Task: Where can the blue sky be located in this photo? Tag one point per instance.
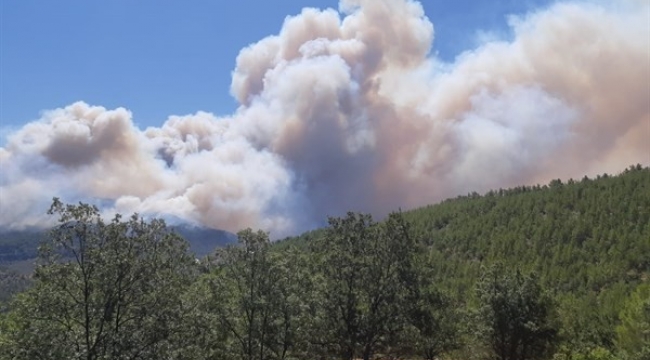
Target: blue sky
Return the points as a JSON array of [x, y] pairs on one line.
[[160, 58]]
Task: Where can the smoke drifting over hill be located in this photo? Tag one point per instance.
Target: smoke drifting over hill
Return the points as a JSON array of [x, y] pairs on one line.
[[348, 111]]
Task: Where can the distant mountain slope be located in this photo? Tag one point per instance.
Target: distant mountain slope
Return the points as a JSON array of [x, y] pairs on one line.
[[17, 245], [11, 282], [203, 241]]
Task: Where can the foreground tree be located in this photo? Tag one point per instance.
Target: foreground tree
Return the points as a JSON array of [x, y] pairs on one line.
[[433, 322], [366, 273], [252, 296], [517, 319], [102, 291]]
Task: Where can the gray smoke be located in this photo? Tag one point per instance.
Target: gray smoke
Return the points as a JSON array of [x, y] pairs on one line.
[[347, 111]]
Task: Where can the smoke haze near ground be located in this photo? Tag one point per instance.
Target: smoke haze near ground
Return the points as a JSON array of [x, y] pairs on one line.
[[347, 110]]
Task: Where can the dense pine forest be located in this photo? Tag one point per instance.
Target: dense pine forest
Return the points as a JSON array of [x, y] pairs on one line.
[[557, 271]]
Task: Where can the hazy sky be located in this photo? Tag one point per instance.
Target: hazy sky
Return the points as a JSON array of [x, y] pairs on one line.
[[161, 58], [273, 116]]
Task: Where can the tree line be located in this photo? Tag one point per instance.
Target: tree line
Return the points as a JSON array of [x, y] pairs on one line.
[[459, 280]]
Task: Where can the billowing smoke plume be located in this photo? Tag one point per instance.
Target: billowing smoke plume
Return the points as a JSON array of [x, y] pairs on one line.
[[347, 111]]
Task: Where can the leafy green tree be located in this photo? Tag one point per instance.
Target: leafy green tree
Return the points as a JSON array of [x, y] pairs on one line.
[[102, 291], [434, 325], [366, 273], [517, 317], [254, 298]]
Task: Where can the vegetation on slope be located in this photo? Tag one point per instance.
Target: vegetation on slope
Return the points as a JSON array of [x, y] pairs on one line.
[[545, 272]]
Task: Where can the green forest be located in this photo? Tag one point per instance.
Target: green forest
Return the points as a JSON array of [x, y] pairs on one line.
[[558, 271]]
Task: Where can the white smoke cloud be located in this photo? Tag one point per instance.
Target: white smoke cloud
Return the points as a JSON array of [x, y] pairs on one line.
[[346, 111]]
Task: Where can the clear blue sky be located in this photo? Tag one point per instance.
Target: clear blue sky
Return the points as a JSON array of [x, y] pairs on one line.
[[159, 58]]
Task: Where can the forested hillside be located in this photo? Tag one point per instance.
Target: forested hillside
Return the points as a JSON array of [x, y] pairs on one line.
[[587, 240], [559, 271]]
